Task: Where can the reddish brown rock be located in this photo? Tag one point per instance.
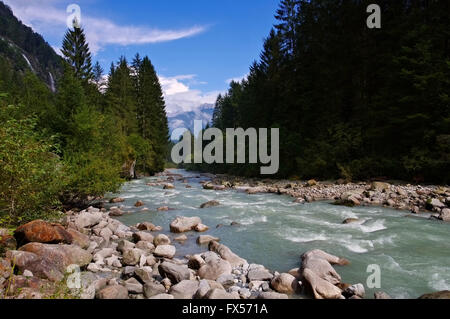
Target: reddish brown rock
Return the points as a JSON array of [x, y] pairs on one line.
[[40, 231], [139, 204]]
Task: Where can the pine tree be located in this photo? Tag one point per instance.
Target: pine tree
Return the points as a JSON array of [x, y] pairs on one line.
[[97, 73], [76, 52]]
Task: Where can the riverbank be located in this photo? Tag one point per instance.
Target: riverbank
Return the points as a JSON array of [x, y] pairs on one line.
[[109, 260], [119, 261], [417, 199]]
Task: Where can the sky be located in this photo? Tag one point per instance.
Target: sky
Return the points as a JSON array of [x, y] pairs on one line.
[[196, 46]]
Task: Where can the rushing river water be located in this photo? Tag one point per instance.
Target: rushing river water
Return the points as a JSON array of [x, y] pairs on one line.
[[412, 253]]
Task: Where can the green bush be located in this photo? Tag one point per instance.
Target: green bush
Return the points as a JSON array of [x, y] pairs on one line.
[[30, 173]]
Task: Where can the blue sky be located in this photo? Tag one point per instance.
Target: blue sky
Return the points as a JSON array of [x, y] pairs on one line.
[[197, 46]]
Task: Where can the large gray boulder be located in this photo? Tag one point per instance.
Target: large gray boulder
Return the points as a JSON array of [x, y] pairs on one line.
[[321, 288], [285, 283], [214, 268], [176, 273], [166, 251], [152, 289], [186, 289], [226, 253], [184, 224]]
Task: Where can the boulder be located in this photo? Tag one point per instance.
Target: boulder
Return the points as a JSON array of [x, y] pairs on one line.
[[42, 232], [139, 204], [88, 219], [445, 215], [201, 228], [131, 257], [355, 290], [79, 239], [226, 280], [113, 292], [161, 239], [437, 295], [195, 262], [45, 269], [124, 245], [168, 186], [152, 289], [145, 246], [146, 226], [214, 268], [321, 268], [61, 255], [226, 254], [186, 289], [166, 251], [145, 274], [334, 260], [176, 273], [209, 204], [259, 274], [321, 289], [142, 236], [181, 238], [350, 221], [163, 209], [133, 286], [284, 283], [203, 289], [206, 239], [184, 224]]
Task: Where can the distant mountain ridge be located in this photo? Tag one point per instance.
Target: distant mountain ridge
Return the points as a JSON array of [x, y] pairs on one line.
[[26, 49], [186, 119]]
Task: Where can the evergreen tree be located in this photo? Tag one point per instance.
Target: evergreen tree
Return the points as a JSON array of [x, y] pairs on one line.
[[76, 52]]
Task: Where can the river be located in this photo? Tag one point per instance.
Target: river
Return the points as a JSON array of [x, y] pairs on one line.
[[412, 253]]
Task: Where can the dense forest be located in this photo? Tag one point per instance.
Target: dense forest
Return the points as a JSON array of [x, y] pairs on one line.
[[67, 147], [350, 102]]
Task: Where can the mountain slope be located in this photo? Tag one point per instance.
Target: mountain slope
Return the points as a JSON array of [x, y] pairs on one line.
[[27, 50]]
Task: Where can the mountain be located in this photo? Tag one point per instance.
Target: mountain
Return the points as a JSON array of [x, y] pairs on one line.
[[186, 119], [26, 50]]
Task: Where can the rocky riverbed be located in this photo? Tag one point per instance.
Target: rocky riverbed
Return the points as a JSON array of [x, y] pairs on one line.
[[112, 261], [416, 199], [91, 254]]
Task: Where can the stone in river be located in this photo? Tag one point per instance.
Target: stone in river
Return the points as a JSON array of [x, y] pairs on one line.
[[212, 203], [167, 251], [206, 239], [184, 224]]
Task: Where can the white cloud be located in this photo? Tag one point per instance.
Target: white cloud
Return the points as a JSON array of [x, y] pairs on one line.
[[44, 16], [180, 98]]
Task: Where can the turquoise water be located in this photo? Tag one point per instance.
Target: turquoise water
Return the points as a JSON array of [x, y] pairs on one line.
[[413, 253]]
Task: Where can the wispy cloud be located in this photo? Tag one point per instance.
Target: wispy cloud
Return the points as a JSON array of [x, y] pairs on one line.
[[48, 16]]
